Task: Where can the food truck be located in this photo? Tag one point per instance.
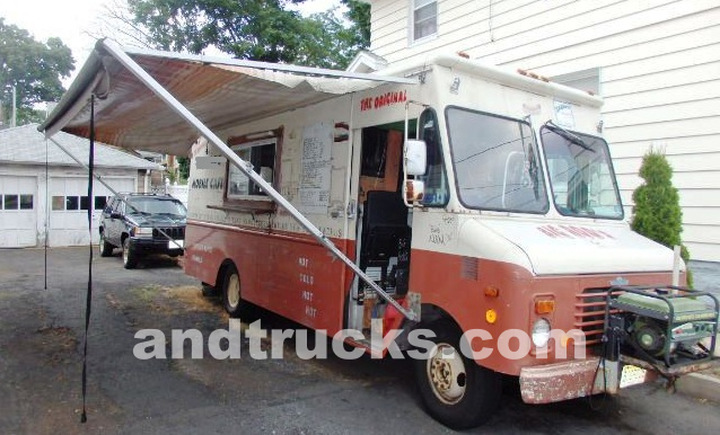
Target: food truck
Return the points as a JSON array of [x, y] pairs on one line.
[[452, 196]]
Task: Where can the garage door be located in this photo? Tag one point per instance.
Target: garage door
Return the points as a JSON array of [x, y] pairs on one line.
[[69, 204], [18, 219]]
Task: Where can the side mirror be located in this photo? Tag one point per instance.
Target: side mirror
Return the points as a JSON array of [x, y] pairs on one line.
[[415, 157], [414, 191]]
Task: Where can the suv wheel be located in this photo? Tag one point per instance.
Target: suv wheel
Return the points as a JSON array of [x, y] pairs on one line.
[[106, 248], [128, 254]]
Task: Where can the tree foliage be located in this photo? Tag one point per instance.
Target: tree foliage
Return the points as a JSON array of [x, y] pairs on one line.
[[264, 30], [657, 213], [34, 68]]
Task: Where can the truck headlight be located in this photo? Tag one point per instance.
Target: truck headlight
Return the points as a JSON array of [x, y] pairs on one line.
[[143, 231], [541, 332]]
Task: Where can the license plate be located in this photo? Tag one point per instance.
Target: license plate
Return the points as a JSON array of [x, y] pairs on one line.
[[174, 244], [632, 375]]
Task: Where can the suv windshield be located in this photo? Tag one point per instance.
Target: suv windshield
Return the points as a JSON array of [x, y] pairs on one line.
[[156, 205], [496, 162], [581, 174]]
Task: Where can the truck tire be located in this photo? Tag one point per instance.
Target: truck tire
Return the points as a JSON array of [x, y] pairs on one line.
[[209, 291], [455, 390], [106, 248], [128, 254], [232, 300]]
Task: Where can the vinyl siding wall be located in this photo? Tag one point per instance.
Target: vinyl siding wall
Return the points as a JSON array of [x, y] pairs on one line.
[[659, 73]]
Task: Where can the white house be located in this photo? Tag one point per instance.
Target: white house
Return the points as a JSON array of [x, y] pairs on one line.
[[655, 62], [25, 190]]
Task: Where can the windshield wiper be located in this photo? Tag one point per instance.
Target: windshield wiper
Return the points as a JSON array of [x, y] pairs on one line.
[[568, 136]]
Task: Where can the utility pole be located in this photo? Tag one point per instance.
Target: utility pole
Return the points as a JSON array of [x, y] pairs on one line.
[[13, 123]]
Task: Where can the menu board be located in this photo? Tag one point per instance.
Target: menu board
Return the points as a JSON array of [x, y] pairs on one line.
[[316, 167]]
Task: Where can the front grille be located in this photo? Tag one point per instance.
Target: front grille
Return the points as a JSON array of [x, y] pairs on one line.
[[590, 314], [177, 233]]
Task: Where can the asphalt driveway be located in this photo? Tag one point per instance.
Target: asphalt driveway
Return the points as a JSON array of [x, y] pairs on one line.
[[40, 366]]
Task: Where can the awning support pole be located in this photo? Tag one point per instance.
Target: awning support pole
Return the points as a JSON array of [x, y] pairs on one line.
[[247, 169]]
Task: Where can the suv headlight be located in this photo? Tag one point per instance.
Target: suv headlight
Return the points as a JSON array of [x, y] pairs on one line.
[[541, 332], [142, 231]]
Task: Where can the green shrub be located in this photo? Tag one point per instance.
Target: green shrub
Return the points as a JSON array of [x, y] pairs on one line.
[[657, 214]]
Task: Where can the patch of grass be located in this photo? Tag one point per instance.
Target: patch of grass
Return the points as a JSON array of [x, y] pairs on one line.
[[8, 295], [146, 293], [191, 298]]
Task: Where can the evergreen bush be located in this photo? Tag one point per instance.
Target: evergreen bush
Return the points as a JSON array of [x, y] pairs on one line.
[[656, 213]]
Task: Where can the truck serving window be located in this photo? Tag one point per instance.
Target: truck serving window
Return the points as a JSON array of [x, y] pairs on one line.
[[496, 162], [261, 153], [581, 174]]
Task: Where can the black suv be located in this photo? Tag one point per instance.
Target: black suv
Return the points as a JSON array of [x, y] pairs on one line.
[[141, 224]]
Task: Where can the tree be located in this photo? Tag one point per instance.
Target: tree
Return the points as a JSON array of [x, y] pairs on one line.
[[183, 169], [359, 16], [34, 68], [261, 30], [657, 213]]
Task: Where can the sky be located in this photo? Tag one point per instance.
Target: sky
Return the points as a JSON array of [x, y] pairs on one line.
[[74, 21]]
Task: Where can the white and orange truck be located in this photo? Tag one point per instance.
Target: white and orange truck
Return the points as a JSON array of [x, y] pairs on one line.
[[465, 199]]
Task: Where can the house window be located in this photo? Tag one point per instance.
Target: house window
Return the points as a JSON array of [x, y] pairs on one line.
[[100, 202], [261, 151], [424, 19], [26, 202], [72, 203], [58, 203], [10, 202], [84, 203]]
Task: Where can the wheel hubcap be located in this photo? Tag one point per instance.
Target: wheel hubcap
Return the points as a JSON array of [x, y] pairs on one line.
[[446, 372], [233, 290]]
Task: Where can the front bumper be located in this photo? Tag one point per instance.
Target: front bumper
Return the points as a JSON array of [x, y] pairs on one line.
[[572, 379], [147, 245], [580, 378]]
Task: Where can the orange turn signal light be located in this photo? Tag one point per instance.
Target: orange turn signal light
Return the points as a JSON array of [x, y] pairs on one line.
[[544, 306], [492, 292], [491, 316]]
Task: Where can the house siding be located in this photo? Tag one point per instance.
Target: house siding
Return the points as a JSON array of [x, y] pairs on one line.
[[659, 73]]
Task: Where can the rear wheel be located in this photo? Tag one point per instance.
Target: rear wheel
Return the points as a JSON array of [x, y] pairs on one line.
[[231, 291], [209, 291], [128, 254], [106, 248], [454, 389]]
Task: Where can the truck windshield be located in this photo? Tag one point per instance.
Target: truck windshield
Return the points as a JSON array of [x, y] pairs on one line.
[[581, 174], [496, 162]]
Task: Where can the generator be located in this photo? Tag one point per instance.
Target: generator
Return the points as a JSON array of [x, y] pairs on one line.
[[665, 326]]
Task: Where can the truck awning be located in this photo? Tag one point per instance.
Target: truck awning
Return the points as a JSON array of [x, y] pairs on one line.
[[220, 92]]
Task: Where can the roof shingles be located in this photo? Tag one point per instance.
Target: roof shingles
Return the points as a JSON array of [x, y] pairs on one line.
[[26, 145]]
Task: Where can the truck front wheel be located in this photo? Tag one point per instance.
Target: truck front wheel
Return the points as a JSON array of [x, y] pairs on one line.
[[454, 389]]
